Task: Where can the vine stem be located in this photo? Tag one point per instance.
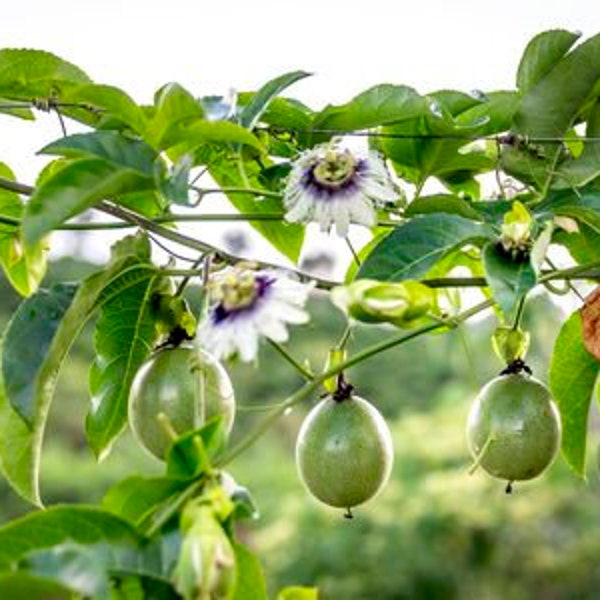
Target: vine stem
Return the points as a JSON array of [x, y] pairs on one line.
[[310, 387], [306, 373]]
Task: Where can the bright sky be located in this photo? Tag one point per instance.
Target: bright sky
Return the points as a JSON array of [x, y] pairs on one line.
[[212, 46]]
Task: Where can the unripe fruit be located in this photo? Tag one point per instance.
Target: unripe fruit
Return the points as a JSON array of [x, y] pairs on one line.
[[513, 430], [344, 451], [174, 382]]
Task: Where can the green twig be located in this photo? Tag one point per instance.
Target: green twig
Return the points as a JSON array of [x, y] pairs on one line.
[[308, 375]]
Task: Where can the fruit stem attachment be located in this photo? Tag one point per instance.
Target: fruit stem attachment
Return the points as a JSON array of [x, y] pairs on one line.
[[509, 487], [515, 367], [481, 454], [343, 390], [165, 424], [348, 514]]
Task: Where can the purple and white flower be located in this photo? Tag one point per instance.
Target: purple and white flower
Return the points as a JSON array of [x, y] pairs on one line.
[[247, 304], [331, 185]]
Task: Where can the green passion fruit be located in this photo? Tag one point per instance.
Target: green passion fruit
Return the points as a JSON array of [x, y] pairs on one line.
[[513, 429], [344, 451], [188, 386]]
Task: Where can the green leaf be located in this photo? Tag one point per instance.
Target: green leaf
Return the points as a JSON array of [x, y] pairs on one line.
[[411, 249], [541, 54], [23, 266], [509, 279], [24, 585], [250, 581], [287, 238], [298, 593], [27, 74], [442, 203], [20, 445], [111, 146], [27, 342], [135, 498], [584, 246], [550, 107], [252, 112], [185, 139], [583, 205], [379, 105], [112, 101], [192, 453], [573, 373], [125, 335], [495, 115], [73, 189], [456, 102], [586, 167], [174, 106]]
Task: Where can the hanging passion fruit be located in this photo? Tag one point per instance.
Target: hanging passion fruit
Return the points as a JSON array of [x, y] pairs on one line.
[[344, 451], [513, 429], [186, 385]]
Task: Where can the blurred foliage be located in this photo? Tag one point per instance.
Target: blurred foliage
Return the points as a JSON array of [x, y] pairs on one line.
[[434, 533]]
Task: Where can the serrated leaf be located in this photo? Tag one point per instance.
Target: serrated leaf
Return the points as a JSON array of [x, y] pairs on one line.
[[250, 581], [125, 335], [509, 280], [541, 54], [260, 101], [27, 74], [573, 373], [379, 105], [111, 146], [287, 238], [73, 189], [23, 266], [411, 249], [111, 101]]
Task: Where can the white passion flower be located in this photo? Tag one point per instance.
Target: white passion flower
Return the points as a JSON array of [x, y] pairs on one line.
[[329, 185], [246, 304]]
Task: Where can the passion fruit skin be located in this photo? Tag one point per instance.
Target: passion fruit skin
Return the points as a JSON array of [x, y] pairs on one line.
[[344, 451], [516, 417], [173, 381]]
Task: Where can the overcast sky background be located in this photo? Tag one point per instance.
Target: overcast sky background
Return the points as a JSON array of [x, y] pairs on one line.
[[210, 47]]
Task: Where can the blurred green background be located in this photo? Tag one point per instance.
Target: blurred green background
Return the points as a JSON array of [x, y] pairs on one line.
[[434, 532]]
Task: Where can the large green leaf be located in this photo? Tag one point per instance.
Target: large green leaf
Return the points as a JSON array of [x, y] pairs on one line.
[[541, 54], [495, 115], [287, 238], [379, 105], [260, 101], [583, 245], [24, 585], [550, 107], [509, 280], [111, 146], [111, 102], [411, 249], [20, 443], [125, 335], [573, 373], [250, 581], [443, 203], [23, 266], [28, 74], [583, 205], [73, 189]]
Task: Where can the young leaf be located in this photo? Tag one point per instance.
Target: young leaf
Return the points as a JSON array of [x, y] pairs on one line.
[[414, 247], [73, 189], [509, 279], [379, 105], [541, 54], [573, 373], [260, 102], [125, 335], [250, 582], [26, 74], [23, 266]]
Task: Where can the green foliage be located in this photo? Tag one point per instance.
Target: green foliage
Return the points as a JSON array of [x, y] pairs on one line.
[[573, 374]]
